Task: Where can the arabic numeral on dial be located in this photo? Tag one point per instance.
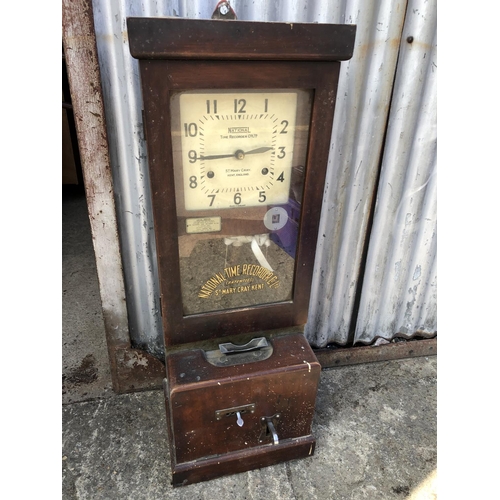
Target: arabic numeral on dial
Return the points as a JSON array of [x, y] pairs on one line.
[[193, 182], [262, 196], [212, 106], [266, 102], [237, 198], [212, 196], [285, 125], [281, 178], [192, 156], [190, 129], [239, 105], [282, 153]]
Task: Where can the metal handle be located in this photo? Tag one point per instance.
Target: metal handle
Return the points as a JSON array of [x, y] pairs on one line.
[[273, 431], [269, 427]]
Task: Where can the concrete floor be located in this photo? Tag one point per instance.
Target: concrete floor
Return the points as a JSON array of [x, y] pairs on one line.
[[85, 362], [375, 424]]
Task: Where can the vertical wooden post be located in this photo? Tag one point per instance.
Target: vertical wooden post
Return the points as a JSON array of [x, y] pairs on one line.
[[130, 369]]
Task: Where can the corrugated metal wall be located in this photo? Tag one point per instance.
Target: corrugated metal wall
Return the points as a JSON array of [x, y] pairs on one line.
[[399, 292], [385, 115], [387, 73]]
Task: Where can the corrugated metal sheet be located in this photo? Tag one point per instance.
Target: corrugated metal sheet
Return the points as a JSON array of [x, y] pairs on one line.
[[399, 292], [123, 105], [363, 103]]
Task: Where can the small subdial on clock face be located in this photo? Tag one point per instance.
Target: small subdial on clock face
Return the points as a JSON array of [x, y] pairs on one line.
[[236, 147]]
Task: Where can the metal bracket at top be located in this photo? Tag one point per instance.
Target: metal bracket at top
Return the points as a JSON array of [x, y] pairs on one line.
[[224, 11]]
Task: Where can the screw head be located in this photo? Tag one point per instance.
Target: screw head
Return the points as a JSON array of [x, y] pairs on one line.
[[409, 39]]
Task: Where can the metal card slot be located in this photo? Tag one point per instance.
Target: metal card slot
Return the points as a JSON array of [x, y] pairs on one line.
[[230, 348], [230, 412]]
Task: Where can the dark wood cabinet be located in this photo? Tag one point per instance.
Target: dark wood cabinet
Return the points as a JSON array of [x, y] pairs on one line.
[[238, 119]]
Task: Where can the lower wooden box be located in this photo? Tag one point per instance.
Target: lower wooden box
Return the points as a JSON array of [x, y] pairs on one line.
[[231, 413]]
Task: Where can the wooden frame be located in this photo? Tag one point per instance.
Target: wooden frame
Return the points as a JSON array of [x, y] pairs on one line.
[[321, 77], [174, 38], [192, 54]]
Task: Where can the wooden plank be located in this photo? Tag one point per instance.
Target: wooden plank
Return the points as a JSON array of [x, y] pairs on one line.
[[343, 356], [242, 460], [174, 38]]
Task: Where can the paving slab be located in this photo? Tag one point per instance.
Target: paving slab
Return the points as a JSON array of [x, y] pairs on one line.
[[375, 426], [85, 363]]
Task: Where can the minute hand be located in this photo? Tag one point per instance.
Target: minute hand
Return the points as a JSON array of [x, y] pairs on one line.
[[258, 150]]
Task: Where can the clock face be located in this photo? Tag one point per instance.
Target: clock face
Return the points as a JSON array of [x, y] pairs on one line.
[[237, 148], [238, 158]]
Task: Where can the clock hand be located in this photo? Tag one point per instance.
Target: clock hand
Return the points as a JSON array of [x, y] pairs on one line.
[[216, 157], [258, 150], [238, 154]]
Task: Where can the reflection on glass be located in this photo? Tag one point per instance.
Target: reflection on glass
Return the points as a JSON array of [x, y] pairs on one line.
[[239, 159]]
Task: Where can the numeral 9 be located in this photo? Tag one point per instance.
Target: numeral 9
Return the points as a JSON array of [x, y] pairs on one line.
[[192, 156]]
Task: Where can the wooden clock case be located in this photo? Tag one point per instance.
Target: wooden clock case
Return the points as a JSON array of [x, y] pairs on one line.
[[271, 389]]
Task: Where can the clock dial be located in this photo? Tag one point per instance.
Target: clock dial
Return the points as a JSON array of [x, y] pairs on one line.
[[237, 148]]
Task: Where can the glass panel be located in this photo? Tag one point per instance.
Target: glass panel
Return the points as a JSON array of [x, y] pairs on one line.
[[239, 159]]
